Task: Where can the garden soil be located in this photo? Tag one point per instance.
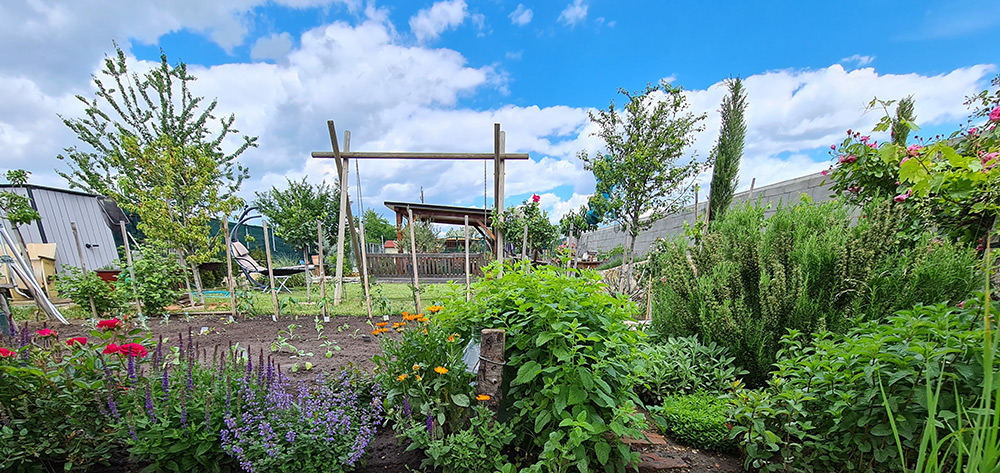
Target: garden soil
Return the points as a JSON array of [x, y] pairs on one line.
[[357, 346]]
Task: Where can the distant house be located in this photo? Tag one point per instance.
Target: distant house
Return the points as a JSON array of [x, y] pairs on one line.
[[391, 246], [60, 207]]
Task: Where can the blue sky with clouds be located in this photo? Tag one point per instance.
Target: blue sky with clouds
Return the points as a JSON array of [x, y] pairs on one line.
[[434, 76]]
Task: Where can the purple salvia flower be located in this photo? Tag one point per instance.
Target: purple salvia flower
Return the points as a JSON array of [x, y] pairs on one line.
[[131, 369], [190, 378], [430, 424], [150, 410], [290, 436], [112, 406], [180, 343], [131, 427], [165, 383], [184, 410], [406, 405], [158, 354], [208, 413]]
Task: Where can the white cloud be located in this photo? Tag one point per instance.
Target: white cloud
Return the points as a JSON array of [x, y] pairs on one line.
[[275, 46], [521, 15], [514, 55], [858, 59], [429, 23], [574, 13], [395, 95]]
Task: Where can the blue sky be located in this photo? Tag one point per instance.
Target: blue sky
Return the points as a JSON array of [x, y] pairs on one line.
[[424, 75]]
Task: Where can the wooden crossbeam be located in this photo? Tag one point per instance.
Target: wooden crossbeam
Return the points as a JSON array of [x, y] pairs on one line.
[[440, 156]]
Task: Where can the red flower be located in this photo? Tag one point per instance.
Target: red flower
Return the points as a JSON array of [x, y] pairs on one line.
[[5, 352], [46, 332], [111, 348], [535, 197], [75, 340], [133, 349], [109, 324]]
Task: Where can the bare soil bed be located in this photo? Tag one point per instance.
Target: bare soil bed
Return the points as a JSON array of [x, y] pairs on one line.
[[357, 348]]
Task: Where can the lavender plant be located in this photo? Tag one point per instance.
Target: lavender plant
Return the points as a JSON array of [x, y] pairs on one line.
[[324, 426]]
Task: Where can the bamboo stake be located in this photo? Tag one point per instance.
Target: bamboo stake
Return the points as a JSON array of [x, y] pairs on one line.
[[497, 191], [131, 270], [524, 243], [468, 267], [322, 273], [649, 300], [270, 274], [364, 272], [752, 182], [83, 264], [229, 270], [413, 251], [305, 263]]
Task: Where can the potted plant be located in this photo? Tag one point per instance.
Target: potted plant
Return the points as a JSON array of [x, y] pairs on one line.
[[109, 273]]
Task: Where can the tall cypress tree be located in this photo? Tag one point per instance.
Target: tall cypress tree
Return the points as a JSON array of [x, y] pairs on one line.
[[729, 149], [903, 120]]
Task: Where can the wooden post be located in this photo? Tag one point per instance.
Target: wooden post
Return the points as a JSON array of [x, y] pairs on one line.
[[131, 270], [338, 290], [468, 267], [750, 195], [696, 204], [524, 243], [491, 363], [649, 300], [230, 281], [364, 274], [270, 273], [497, 189], [83, 263], [413, 251], [322, 273], [305, 264]]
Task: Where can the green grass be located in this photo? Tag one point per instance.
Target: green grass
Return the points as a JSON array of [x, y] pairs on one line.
[[399, 297]]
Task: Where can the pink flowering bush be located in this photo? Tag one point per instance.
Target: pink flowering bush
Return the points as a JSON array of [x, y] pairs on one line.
[[948, 182]]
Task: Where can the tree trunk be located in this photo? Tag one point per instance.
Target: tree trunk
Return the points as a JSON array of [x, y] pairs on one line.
[[187, 281], [197, 283], [305, 261]]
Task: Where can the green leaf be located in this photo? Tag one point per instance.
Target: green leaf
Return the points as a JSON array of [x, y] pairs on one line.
[[603, 451], [527, 372], [460, 400]]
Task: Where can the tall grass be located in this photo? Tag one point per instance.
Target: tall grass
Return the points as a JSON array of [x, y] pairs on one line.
[[973, 445]]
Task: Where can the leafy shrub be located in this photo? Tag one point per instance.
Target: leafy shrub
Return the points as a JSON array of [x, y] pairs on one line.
[[175, 413], [55, 401], [805, 268], [81, 286], [823, 408], [570, 359], [158, 280], [476, 449], [699, 420], [321, 427], [425, 379], [682, 365]]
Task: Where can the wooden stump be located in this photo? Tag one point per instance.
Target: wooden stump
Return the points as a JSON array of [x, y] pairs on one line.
[[491, 363]]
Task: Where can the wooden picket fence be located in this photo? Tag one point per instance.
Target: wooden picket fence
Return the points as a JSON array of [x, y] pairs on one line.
[[431, 267]]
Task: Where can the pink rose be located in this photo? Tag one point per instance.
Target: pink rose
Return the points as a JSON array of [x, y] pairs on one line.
[[824, 172], [864, 139], [902, 197], [973, 130], [833, 146], [995, 115], [914, 150], [535, 197], [848, 159]]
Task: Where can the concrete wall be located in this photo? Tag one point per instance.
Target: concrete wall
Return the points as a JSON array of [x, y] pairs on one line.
[[789, 191]]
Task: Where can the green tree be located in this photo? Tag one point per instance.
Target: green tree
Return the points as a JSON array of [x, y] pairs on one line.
[[541, 232], [155, 150], [294, 212], [643, 173], [424, 234], [728, 150], [377, 228], [574, 223], [17, 208]]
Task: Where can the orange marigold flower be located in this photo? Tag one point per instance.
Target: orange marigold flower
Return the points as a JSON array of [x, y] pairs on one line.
[[452, 337], [405, 314], [441, 370], [419, 378], [483, 397], [381, 324], [422, 319], [375, 332], [416, 367], [434, 309], [401, 377]]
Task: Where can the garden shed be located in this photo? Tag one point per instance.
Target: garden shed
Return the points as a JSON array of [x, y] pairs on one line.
[[59, 207]]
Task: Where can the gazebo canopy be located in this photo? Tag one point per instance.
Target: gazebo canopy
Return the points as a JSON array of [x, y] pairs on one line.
[[479, 219]]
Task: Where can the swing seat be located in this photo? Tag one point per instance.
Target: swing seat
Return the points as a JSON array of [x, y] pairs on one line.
[[251, 267]]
